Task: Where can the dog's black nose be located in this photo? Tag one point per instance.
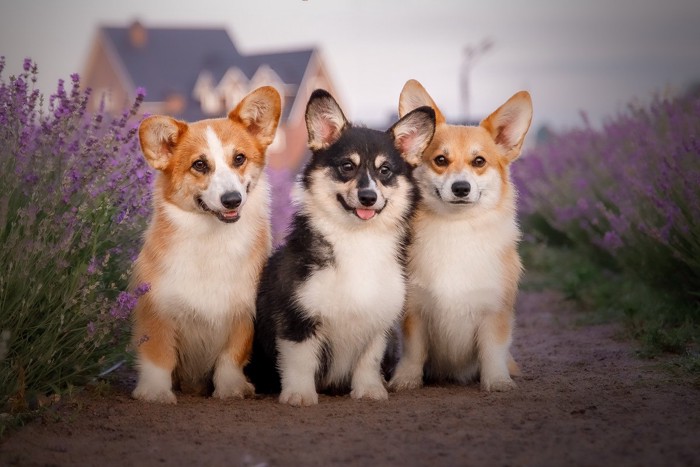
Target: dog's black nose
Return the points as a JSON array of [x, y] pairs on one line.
[[461, 188], [231, 199], [367, 196]]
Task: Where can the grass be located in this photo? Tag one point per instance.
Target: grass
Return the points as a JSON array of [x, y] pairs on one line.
[[661, 322]]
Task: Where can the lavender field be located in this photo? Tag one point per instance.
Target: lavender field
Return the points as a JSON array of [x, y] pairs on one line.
[[610, 216], [614, 215]]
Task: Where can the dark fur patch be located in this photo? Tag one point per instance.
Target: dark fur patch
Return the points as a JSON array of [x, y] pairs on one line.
[[368, 144], [279, 315]]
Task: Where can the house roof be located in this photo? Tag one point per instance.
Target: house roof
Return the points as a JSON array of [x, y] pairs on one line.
[[171, 59]]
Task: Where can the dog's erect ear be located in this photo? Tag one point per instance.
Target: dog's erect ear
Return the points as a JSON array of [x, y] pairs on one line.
[[508, 125], [414, 95], [413, 133], [325, 122], [259, 112], [158, 136]]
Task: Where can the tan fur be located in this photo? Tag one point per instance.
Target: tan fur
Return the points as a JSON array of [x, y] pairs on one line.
[[154, 335], [430, 327], [197, 319]]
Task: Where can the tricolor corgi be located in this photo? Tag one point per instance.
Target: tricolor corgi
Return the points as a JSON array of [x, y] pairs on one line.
[[329, 298], [204, 249], [463, 263]]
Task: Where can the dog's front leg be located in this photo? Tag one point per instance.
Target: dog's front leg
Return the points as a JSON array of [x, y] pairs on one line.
[[409, 372], [367, 381], [494, 338], [298, 363], [229, 380], [154, 338]]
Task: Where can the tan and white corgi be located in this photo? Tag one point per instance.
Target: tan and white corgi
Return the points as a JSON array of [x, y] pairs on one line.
[[204, 249], [463, 262]]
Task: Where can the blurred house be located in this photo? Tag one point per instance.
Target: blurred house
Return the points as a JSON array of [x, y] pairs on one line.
[[196, 73]]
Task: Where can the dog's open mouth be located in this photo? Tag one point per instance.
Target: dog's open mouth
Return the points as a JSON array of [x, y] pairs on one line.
[[224, 216], [363, 213]]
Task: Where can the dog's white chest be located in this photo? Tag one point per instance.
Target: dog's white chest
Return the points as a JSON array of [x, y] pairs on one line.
[[459, 266], [357, 297], [208, 274], [363, 287]]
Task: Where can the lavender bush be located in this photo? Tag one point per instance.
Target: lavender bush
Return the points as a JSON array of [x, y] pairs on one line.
[[73, 204], [626, 196]]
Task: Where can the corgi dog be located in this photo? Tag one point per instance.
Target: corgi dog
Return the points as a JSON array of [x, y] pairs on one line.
[[330, 296], [204, 250], [463, 264]]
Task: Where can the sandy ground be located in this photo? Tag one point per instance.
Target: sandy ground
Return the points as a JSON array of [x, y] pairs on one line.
[[584, 399]]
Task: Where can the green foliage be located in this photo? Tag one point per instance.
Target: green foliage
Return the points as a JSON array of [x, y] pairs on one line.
[[661, 321], [73, 202]]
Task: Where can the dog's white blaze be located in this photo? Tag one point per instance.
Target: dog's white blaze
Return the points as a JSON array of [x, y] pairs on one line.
[[223, 179], [357, 299], [379, 203]]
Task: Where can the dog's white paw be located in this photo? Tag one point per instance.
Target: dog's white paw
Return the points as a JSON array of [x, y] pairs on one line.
[[161, 396], [154, 384], [298, 398], [230, 382], [498, 385], [406, 377], [240, 390], [404, 381], [375, 392]]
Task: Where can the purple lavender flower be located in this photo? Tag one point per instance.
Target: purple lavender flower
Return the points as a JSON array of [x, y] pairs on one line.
[[630, 190]]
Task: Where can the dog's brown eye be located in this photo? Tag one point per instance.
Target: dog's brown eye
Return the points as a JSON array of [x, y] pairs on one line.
[[201, 166], [479, 162], [385, 171], [238, 160], [441, 161], [347, 167]]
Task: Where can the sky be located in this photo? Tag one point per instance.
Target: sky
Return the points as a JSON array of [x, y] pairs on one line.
[[592, 56]]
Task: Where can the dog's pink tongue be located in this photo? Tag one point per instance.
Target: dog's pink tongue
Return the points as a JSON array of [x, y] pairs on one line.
[[230, 214], [365, 214]]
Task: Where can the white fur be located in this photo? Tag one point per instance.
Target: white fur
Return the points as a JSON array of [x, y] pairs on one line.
[[455, 279], [229, 380], [456, 284], [223, 179], [207, 280], [206, 273], [154, 383], [356, 300], [298, 362]]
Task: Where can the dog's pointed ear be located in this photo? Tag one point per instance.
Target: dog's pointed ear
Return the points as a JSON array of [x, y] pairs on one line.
[[414, 95], [413, 133], [325, 121], [509, 123], [259, 112], [158, 136]]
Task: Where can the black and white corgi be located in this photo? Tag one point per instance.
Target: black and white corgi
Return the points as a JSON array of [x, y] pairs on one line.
[[330, 296]]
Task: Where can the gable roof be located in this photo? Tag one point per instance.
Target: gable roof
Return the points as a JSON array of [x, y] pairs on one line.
[[171, 59]]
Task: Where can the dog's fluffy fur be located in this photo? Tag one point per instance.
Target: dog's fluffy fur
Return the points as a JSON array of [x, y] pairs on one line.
[[464, 266], [330, 296], [204, 249]]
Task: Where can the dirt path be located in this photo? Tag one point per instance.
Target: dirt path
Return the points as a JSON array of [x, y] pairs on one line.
[[584, 400]]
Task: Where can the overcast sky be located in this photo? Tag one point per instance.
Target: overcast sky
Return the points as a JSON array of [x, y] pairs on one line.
[[593, 55]]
